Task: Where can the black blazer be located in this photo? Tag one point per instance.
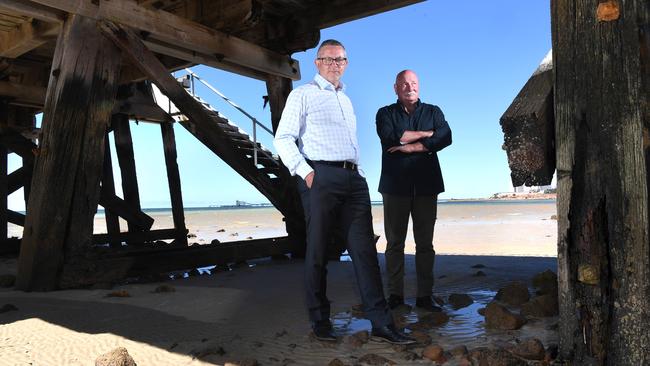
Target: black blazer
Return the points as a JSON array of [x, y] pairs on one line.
[[416, 174]]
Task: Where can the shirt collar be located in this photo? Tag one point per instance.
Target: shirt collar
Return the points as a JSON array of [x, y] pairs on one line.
[[324, 84], [401, 106]]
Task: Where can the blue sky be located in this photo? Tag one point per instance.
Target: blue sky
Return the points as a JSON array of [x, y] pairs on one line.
[[472, 58]]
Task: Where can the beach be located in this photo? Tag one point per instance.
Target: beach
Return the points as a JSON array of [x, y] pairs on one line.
[[256, 311]]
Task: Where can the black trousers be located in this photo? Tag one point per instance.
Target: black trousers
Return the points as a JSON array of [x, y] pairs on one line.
[[397, 210], [341, 194]]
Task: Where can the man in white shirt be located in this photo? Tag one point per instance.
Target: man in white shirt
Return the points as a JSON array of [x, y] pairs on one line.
[[320, 117]]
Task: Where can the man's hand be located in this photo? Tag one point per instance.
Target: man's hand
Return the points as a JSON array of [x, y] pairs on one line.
[[309, 179], [408, 148], [412, 136]]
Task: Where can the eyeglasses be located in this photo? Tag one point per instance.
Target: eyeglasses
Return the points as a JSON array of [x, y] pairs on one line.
[[328, 60]]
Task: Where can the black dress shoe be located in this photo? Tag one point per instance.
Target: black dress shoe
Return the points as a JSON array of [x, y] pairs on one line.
[[394, 301], [323, 331], [425, 303], [390, 334]]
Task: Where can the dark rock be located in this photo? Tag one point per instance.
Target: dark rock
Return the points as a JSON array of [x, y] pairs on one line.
[[116, 357], [498, 317], [118, 293], [358, 339], [249, 237], [281, 333], [495, 357], [545, 283], [479, 274], [372, 359], [409, 356], [215, 241], [459, 351], [541, 306], [207, 351], [478, 266], [433, 352], [164, 289], [553, 217], [221, 230], [7, 280], [234, 234], [421, 337], [7, 307], [459, 301], [481, 311], [191, 235], [430, 320], [530, 349], [336, 362], [515, 294], [551, 352], [442, 276]]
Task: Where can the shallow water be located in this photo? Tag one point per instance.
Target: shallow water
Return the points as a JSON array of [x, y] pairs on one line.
[[465, 326]]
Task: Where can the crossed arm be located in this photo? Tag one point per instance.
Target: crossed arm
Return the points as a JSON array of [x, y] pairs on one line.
[[410, 142]]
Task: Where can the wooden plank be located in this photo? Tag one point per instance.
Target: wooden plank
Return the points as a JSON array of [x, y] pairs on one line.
[[173, 179], [137, 219], [108, 189], [15, 218], [27, 93], [140, 237], [4, 192], [180, 32], [343, 11], [126, 159], [205, 255], [17, 179], [529, 130], [27, 37], [40, 12], [59, 222], [601, 53]]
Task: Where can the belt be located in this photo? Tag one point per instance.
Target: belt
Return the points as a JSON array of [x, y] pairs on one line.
[[341, 164]]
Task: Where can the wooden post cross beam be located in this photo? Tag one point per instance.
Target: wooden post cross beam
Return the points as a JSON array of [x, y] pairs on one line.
[[171, 33]]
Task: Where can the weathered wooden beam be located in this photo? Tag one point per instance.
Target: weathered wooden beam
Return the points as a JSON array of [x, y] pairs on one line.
[[28, 36], [16, 218], [126, 160], [278, 90], [36, 11], [601, 53], [337, 12], [27, 93], [108, 189], [136, 219], [141, 237], [195, 256], [529, 130], [59, 221], [180, 32], [17, 179], [173, 179]]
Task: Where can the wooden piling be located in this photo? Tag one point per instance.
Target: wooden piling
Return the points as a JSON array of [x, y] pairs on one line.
[[68, 168]]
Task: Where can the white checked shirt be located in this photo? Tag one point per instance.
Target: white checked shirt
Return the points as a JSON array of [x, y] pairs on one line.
[[321, 118]]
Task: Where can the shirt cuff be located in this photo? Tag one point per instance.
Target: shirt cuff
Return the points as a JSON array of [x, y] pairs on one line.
[[304, 169]]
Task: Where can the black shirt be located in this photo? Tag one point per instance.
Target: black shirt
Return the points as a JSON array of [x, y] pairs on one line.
[[415, 174]]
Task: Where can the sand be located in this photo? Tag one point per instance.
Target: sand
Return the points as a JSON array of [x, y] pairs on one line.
[[257, 311]]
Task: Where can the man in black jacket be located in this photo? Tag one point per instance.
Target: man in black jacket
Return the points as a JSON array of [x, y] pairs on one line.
[[411, 133]]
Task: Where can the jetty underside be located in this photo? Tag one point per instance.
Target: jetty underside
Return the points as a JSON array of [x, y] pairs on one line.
[[88, 66]]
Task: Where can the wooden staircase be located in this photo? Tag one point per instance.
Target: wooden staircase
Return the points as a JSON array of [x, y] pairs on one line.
[[257, 164]]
